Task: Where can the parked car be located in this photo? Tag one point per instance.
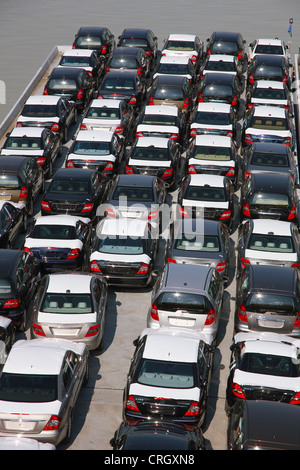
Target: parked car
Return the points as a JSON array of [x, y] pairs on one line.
[[171, 90], [266, 241], [97, 38], [59, 242], [184, 45], [207, 196], [13, 221], [222, 63], [124, 251], [263, 425], [50, 374], [269, 195], [177, 65], [156, 156], [97, 149], [268, 46], [209, 154], [268, 93], [264, 367], [143, 38], [71, 306], [129, 58], [265, 157], [206, 243], [123, 85], [53, 112], [267, 299], [74, 191], [219, 87], [41, 144], [87, 59], [24, 443], [19, 280], [155, 435], [21, 180], [187, 296], [75, 84], [227, 42], [269, 67], [169, 377], [213, 118]]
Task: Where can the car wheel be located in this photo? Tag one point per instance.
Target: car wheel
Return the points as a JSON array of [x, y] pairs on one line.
[[24, 223]]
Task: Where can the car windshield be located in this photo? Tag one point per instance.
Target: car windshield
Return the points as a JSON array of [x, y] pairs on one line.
[[120, 245], [25, 388], [218, 90], [39, 110], [218, 119], [62, 84], [204, 152], [159, 120], [118, 84], [5, 286], [151, 154], [269, 364], [65, 303], [180, 46], [269, 94], [88, 41], [92, 148], [202, 243], [124, 62], [268, 71], [23, 143], [133, 194], [220, 66], [269, 49], [9, 181], [262, 303], [270, 159], [271, 199], [173, 69], [166, 374], [205, 193], [70, 61], [54, 232], [167, 93], [269, 123], [70, 186], [272, 243], [189, 302], [224, 47]]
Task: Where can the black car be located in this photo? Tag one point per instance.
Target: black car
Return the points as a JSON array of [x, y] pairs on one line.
[[173, 90], [268, 67], [221, 88], [53, 112], [265, 157], [21, 180], [74, 191], [268, 92], [129, 58], [97, 38], [19, 280], [13, 220], [41, 144], [155, 156], [269, 195], [123, 85], [226, 42], [7, 337], [87, 59], [155, 435], [75, 84], [140, 37]]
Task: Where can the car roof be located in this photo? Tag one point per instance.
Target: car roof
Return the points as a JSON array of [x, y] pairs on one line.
[[12, 163], [26, 132], [58, 219], [59, 72], [268, 343], [90, 29], [218, 77], [98, 136], [135, 32], [126, 51], [197, 226], [270, 147], [74, 173], [213, 140], [270, 277], [269, 111], [107, 103], [125, 227], [135, 180], [269, 59], [161, 109], [78, 53], [159, 142], [120, 72], [203, 179], [271, 182], [43, 99], [72, 282], [185, 277], [214, 107], [221, 58], [275, 42], [181, 37], [225, 35], [170, 80], [269, 226]]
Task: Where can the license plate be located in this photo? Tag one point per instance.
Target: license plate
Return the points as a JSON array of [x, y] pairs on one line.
[[5, 196], [65, 331], [175, 321], [268, 323], [19, 425]]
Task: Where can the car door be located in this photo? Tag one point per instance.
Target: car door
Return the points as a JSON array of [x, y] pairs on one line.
[[10, 221], [216, 290], [204, 370], [72, 381], [34, 177], [100, 297], [51, 144]]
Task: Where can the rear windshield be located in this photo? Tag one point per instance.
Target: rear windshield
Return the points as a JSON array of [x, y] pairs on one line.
[[103, 113], [166, 374], [159, 120], [9, 181], [118, 84], [272, 199], [92, 148], [120, 245], [5, 286], [67, 303], [173, 69], [209, 118], [58, 232], [224, 47], [204, 152], [134, 42], [88, 41], [70, 61], [268, 49], [269, 94], [28, 388], [124, 62], [173, 301], [217, 90], [62, 84], [268, 71], [269, 123], [151, 154], [72, 187], [203, 243], [39, 110], [220, 66], [164, 93], [269, 364], [180, 46], [272, 243], [204, 193], [262, 303], [133, 194], [269, 159], [23, 143]]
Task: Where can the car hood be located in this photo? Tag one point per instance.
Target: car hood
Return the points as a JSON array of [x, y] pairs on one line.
[[261, 380], [176, 394]]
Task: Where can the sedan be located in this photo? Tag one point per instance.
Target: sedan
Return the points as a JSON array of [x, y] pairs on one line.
[[129, 58], [41, 144], [268, 93], [13, 220], [123, 85], [53, 112], [268, 46], [213, 118], [188, 45], [71, 306], [143, 38], [74, 191], [86, 59], [221, 88], [177, 65], [97, 38], [169, 377], [21, 181], [59, 242], [269, 67], [39, 387], [19, 279], [171, 90], [75, 84], [221, 63], [227, 42]]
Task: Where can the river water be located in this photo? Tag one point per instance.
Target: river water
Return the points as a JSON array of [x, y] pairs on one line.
[[29, 29]]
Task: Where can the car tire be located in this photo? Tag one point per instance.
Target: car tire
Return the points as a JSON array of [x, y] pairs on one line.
[[24, 223]]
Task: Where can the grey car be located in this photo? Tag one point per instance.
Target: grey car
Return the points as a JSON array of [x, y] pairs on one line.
[[267, 300], [187, 296]]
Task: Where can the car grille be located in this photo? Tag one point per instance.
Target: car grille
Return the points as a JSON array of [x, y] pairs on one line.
[[270, 394]]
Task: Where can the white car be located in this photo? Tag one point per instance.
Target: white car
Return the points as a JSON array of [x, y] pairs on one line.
[[265, 46], [264, 367], [184, 45], [71, 306], [124, 251], [39, 386], [23, 443], [159, 121], [96, 149], [59, 242], [177, 65], [213, 118], [268, 93], [221, 63]]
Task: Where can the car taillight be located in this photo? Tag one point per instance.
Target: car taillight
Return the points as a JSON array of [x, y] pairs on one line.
[[104, 49], [41, 161], [83, 127], [295, 265], [247, 174], [221, 266], [296, 399], [245, 262], [24, 192], [140, 71], [19, 124], [109, 166], [250, 106], [297, 321], [38, 330], [229, 134], [129, 170], [139, 134], [174, 136], [132, 100], [240, 55], [193, 133], [246, 209], [200, 98], [100, 96], [171, 260], [225, 215], [55, 127], [191, 170], [237, 390], [167, 173], [110, 212], [45, 91], [131, 404], [285, 79], [70, 164], [93, 330], [154, 312], [27, 250], [119, 130], [143, 269], [194, 409], [194, 58], [235, 100], [45, 206], [251, 78], [107, 69], [208, 52], [210, 317], [88, 207], [182, 211], [148, 52], [230, 172], [12, 303], [53, 423], [186, 103], [287, 141], [80, 94], [248, 139], [74, 253], [150, 100], [153, 214], [94, 267], [242, 314], [292, 213]]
